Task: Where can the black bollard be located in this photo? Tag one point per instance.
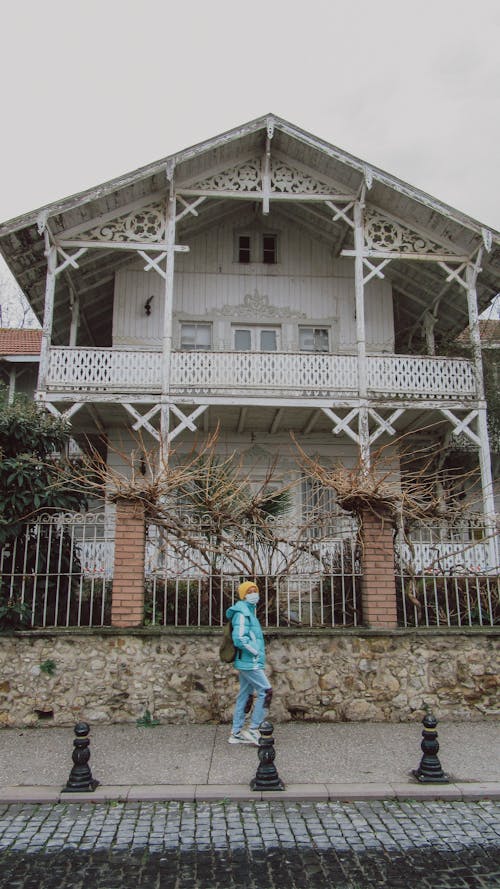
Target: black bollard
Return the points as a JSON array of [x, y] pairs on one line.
[[429, 770], [80, 778], [267, 777]]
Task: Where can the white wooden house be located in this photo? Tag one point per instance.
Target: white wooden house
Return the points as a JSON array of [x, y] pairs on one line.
[[266, 282]]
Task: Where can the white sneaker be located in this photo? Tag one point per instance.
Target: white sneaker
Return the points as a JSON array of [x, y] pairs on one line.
[[244, 736], [253, 734]]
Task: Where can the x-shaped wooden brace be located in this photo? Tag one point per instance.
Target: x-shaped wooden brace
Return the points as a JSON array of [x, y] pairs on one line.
[[186, 422], [153, 262], [142, 420], [384, 425], [341, 213], [455, 274], [375, 269], [343, 425], [189, 208], [69, 260], [63, 415], [463, 425]]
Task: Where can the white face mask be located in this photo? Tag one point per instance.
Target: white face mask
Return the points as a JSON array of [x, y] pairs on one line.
[[252, 598]]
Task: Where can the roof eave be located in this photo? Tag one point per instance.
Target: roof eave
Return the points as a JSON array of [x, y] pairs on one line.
[[253, 126]]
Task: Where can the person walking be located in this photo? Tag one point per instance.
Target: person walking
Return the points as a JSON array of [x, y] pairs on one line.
[[250, 662]]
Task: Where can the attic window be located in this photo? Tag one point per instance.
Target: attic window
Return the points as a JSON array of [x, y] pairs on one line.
[[257, 247], [269, 243], [244, 248]]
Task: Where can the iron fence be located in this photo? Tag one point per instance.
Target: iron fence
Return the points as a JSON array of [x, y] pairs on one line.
[[308, 581], [448, 575], [58, 571]]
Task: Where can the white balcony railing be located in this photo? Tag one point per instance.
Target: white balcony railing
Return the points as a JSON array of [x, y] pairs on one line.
[[255, 373]]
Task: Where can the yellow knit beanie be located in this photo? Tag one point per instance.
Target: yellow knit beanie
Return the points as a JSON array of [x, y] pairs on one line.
[[245, 588]]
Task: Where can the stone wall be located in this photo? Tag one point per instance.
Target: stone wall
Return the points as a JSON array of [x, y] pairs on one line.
[[108, 676]]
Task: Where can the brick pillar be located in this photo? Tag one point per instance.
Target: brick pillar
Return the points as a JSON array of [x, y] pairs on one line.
[[127, 605], [379, 580]]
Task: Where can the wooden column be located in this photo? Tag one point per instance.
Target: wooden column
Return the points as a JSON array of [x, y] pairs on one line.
[[167, 318], [379, 576], [482, 420], [359, 245], [48, 315], [127, 605]]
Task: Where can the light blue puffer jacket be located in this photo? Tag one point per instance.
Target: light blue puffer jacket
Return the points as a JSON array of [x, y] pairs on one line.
[[247, 636]]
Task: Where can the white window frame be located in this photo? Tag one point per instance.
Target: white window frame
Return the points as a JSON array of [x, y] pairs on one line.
[[316, 329], [255, 331], [197, 326], [255, 248]]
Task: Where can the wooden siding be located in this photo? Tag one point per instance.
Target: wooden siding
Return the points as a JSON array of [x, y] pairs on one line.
[[307, 285]]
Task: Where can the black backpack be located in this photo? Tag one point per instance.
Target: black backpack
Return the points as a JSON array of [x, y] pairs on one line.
[[227, 650]]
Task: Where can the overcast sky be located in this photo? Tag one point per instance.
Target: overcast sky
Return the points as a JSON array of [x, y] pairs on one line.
[[96, 88]]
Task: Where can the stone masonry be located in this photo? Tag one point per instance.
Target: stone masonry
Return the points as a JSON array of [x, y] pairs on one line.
[[112, 676]]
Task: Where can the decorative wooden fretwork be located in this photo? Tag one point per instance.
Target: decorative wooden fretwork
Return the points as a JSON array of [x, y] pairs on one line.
[[278, 373], [289, 180], [247, 177], [383, 233], [257, 305], [243, 177], [146, 225]]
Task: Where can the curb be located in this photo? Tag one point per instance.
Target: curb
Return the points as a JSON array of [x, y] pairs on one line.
[[472, 791]]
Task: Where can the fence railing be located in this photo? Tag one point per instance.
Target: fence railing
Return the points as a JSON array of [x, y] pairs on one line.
[[58, 572], [275, 373], [307, 582], [449, 576]]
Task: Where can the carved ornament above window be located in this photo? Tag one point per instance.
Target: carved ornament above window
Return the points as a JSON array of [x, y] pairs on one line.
[[257, 305]]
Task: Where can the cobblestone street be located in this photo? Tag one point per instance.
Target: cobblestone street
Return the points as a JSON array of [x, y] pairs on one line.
[[174, 845]]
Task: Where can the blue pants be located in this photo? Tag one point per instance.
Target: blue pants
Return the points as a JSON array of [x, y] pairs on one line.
[[251, 681]]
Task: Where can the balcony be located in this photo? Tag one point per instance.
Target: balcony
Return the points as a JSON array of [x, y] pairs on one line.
[[270, 375]]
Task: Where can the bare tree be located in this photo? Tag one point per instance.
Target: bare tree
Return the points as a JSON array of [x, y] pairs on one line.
[[15, 310]]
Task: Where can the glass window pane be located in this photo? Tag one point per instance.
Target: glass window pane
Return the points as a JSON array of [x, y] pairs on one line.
[[269, 248], [268, 341], [188, 333], [313, 339], [196, 336], [306, 339], [244, 248], [204, 336], [321, 340], [242, 340]]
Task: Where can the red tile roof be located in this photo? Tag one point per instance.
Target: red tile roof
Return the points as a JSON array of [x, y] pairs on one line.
[[490, 331], [19, 342]]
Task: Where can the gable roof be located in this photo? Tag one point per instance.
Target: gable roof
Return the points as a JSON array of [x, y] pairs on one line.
[[416, 286]]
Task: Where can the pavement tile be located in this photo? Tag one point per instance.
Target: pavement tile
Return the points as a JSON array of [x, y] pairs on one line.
[[38, 794], [102, 793], [297, 792], [155, 792], [224, 791], [479, 790], [360, 791], [415, 790], [99, 795]]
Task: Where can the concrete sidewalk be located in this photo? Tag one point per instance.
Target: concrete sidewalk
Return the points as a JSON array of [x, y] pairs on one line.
[[336, 761]]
